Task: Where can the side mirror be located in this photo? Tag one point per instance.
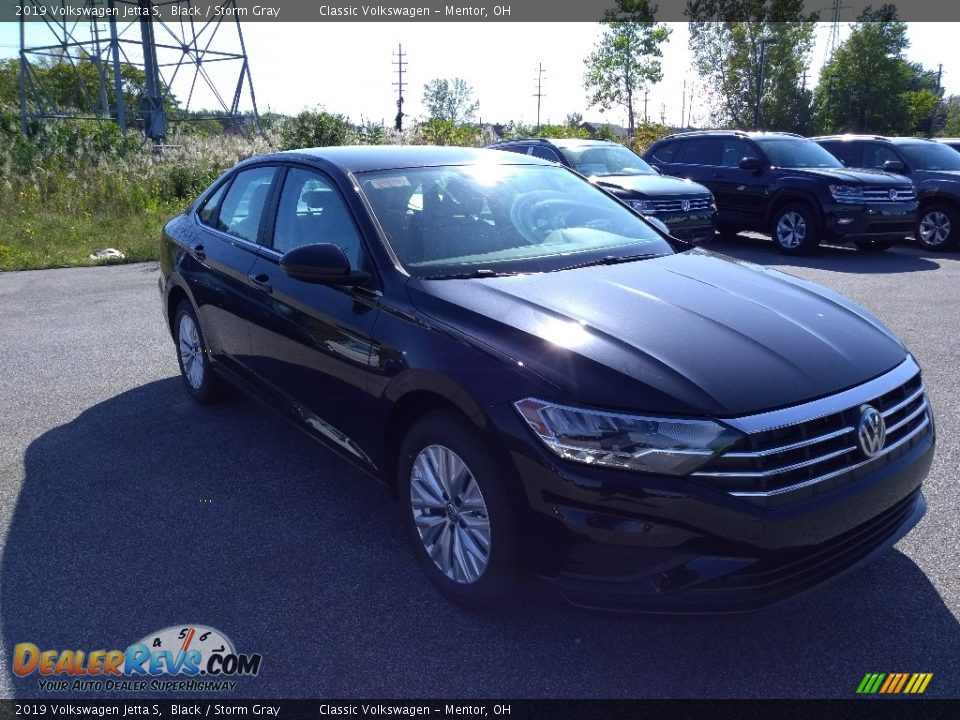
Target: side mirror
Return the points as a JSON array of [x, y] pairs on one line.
[[322, 263], [894, 166], [751, 163]]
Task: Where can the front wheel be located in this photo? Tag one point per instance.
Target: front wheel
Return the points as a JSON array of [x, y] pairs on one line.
[[794, 230], [938, 227], [873, 245], [457, 512]]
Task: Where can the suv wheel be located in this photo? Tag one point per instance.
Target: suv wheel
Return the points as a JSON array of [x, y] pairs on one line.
[[794, 230], [938, 227], [457, 512]]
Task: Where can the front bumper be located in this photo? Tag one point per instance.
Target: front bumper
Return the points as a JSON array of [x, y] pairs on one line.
[[871, 221], [689, 226], [638, 543]]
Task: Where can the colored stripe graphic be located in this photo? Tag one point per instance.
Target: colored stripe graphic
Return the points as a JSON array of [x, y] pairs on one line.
[[894, 683]]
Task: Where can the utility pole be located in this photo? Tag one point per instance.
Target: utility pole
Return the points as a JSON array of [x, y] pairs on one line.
[[399, 85], [539, 94], [646, 94], [804, 78], [683, 107]]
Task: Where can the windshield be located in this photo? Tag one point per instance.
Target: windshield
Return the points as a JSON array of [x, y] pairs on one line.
[[487, 218], [601, 160], [796, 153], [931, 156]]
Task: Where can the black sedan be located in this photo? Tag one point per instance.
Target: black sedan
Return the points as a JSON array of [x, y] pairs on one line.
[[546, 382]]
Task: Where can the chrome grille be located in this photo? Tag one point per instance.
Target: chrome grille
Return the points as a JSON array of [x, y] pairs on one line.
[[882, 194], [817, 449], [698, 204]]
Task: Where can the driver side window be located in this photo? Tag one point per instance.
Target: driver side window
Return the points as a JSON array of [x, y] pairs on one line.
[[312, 210]]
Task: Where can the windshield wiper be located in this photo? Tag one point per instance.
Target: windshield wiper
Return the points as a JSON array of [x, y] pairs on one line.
[[609, 260], [478, 273]]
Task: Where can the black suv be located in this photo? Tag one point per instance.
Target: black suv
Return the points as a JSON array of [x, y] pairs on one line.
[[933, 167], [686, 208], [790, 187]]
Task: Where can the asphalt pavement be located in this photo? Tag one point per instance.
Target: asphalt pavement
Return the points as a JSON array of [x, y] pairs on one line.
[[126, 508]]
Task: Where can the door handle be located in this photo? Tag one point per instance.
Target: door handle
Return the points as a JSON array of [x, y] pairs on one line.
[[262, 281], [717, 176], [197, 251]]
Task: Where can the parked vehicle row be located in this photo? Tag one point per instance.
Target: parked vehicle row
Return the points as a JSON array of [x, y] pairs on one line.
[[547, 382], [868, 190]]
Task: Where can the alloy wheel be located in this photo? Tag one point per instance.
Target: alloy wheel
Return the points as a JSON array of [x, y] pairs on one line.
[[934, 228], [191, 352], [450, 514], [791, 230]]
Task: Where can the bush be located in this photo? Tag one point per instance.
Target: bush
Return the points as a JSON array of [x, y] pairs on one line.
[[314, 128]]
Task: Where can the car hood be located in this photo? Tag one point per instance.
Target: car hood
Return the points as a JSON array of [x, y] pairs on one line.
[[653, 185], [853, 176], [686, 334]]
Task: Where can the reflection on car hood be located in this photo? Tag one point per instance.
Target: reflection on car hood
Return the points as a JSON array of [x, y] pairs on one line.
[[854, 176], [686, 334], [652, 185]]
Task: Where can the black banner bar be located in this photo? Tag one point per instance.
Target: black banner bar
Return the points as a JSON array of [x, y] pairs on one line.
[[868, 709], [437, 10]]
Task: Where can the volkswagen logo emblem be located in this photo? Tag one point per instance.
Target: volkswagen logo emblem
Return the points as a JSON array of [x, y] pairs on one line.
[[871, 431], [685, 204], [893, 194]]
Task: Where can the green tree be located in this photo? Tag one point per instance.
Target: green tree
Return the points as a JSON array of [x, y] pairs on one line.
[[868, 86], [626, 58], [450, 100], [951, 121], [725, 40]]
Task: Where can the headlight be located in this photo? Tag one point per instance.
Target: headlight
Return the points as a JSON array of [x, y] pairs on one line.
[[657, 445], [644, 206], [847, 193]]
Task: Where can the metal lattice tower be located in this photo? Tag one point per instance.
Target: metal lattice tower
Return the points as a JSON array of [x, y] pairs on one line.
[[194, 67]]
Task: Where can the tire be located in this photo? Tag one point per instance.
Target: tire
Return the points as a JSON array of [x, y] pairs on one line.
[[874, 245], [794, 230], [463, 536], [193, 357], [938, 227]]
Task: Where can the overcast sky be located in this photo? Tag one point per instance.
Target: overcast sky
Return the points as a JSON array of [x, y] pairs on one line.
[[346, 67]]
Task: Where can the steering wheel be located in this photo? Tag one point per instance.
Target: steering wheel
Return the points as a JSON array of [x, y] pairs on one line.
[[536, 215]]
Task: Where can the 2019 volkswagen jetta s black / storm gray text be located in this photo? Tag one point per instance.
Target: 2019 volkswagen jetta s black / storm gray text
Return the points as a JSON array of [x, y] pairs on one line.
[[548, 383]]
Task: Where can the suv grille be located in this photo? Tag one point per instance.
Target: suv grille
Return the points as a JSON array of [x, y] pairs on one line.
[[784, 463], [698, 204], [882, 194]]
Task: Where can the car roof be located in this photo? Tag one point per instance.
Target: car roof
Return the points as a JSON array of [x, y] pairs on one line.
[[751, 134], [362, 158], [894, 140]]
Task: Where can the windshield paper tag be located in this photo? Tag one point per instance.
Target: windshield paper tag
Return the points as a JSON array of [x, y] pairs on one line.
[[390, 182]]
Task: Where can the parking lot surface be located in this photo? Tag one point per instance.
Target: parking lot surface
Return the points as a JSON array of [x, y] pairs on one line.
[[125, 508]]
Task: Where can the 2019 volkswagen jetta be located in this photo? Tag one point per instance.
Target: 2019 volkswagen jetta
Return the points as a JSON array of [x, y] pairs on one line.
[[547, 382]]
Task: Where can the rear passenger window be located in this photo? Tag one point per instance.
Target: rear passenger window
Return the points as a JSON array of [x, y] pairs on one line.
[[703, 151], [244, 205], [311, 211], [665, 153]]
